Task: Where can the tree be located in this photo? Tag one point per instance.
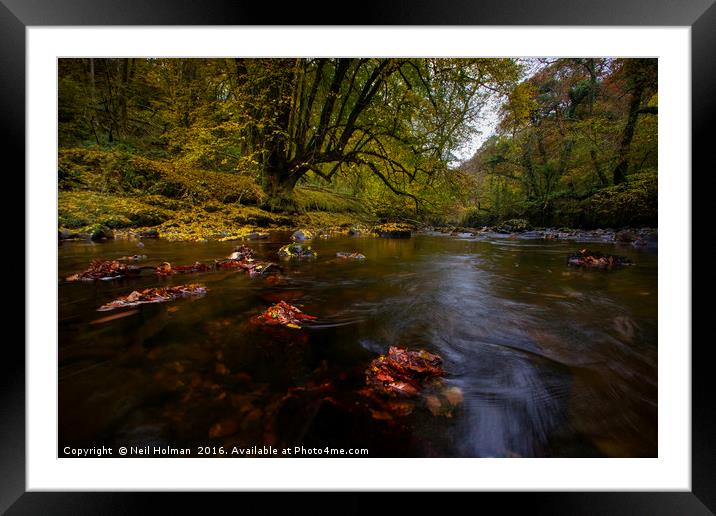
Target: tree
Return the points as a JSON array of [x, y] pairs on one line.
[[640, 76], [397, 119], [570, 129]]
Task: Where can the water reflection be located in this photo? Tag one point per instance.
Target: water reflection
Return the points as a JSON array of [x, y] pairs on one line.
[[552, 361]]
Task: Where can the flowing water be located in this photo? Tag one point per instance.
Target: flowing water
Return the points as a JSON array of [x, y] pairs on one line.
[[550, 360]]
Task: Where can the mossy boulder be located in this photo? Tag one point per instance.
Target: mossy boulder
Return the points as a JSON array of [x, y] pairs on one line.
[[393, 230], [98, 232], [297, 251]]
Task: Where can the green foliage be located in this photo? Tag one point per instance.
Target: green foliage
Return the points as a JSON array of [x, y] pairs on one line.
[[633, 203], [475, 218], [213, 148], [320, 199], [566, 134], [80, 209], [516, 225], [113, 171]]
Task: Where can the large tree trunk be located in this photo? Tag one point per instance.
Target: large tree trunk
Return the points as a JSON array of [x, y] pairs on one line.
[[620, 171], [641, 73], [279, 185]]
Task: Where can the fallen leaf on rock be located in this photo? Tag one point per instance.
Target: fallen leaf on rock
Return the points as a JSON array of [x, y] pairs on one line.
[[595, 259], [402, 372], [155, 295], [166, 268], [105, 270], [283, 314]]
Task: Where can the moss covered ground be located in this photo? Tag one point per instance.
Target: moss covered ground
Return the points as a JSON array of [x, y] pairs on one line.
[[116, 193]]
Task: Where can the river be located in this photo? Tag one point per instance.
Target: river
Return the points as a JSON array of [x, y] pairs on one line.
[[551, 361]]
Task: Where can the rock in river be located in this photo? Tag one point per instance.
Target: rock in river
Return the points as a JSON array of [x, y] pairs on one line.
[[297, 251], [301, 235]]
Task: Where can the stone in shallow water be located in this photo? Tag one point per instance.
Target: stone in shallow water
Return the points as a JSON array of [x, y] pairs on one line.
[[297, 251], [301, 235]]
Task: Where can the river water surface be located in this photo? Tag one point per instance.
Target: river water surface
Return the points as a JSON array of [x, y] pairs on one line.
[[552, 361]]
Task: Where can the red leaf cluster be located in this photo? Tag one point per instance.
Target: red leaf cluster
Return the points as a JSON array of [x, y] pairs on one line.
[[402, 372], [283, 314], [154, 295], [104, 270]]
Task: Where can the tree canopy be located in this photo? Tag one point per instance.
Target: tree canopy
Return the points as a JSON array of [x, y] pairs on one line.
[[399, 120], [386, 131]]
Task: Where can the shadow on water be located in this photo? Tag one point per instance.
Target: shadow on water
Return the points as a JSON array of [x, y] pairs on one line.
[[550, 360]]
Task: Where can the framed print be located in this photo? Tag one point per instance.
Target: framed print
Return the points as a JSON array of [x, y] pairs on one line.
[[428, 238]]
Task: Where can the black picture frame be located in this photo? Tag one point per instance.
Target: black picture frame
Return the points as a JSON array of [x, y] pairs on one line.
[[17, 15]]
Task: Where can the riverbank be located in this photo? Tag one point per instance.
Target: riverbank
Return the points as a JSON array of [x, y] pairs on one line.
[[153, 217], [110, 193]]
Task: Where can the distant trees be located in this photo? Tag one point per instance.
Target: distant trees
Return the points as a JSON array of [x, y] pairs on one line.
[[566, 132]]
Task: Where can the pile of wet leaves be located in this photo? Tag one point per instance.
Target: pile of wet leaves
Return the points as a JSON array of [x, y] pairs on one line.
[[154, 295], [105, 270], [402, 372], [283, 314], [597, 260], [403, 379]]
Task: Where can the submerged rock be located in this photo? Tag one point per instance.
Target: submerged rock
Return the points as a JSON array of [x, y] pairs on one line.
[[350, 256], [595, 259], [625, 235], [297, 251], [256, 236]]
